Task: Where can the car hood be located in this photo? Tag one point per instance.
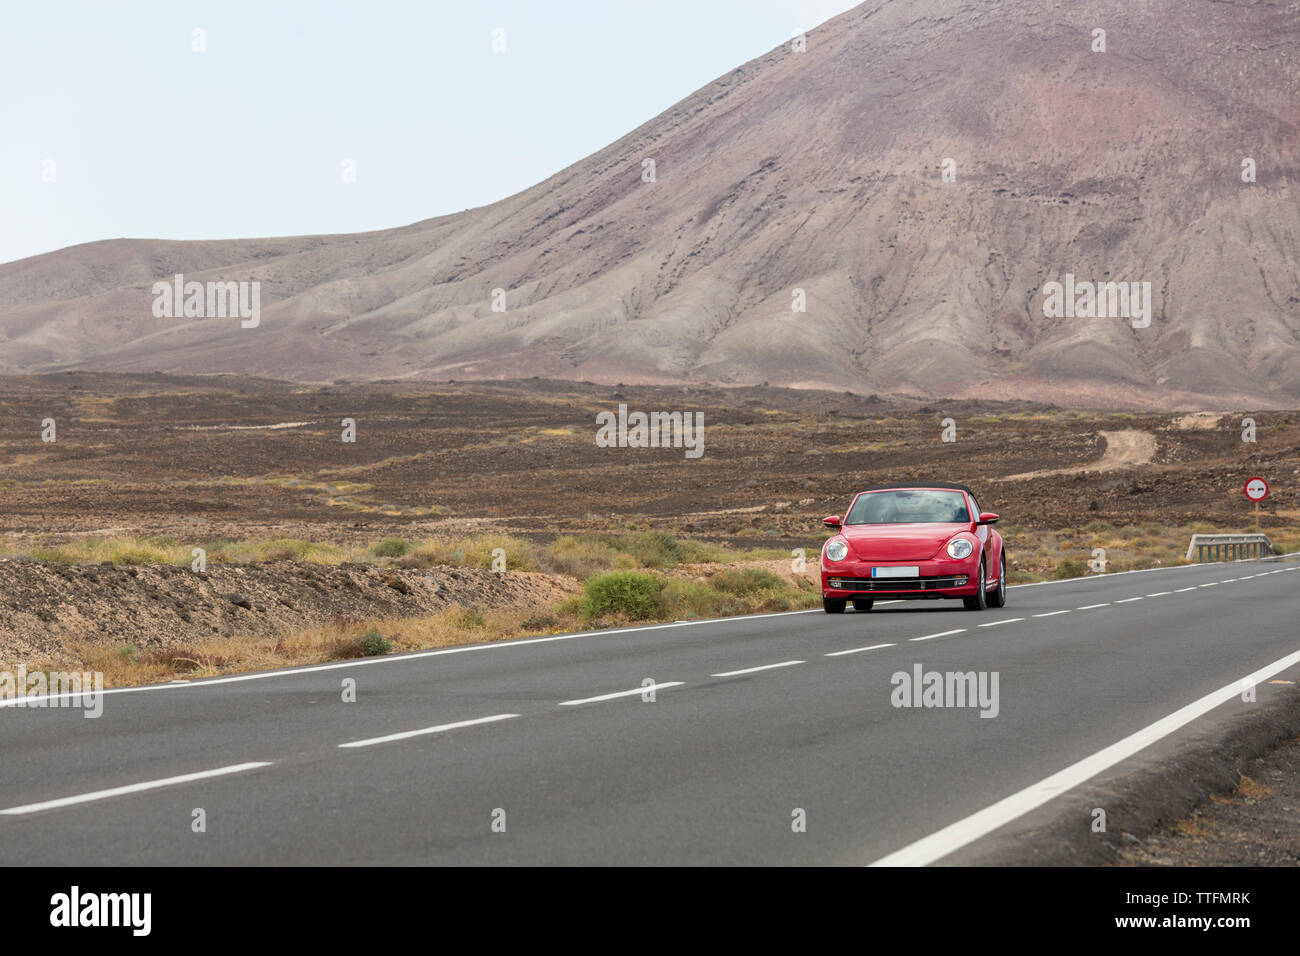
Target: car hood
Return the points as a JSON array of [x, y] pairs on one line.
[[899, 542]]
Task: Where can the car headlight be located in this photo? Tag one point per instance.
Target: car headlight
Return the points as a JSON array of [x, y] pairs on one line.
[[836, 549], [960, 548]]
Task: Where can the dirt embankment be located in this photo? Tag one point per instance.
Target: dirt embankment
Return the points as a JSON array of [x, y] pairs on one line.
[[46, 607], [1253, 824]]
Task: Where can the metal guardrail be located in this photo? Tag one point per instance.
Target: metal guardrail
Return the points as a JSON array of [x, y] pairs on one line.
[[1229, 547]]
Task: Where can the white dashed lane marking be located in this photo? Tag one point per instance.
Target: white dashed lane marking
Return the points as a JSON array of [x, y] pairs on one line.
[[131, 788], [858, 650], [755, 670], [622, 693], [407, 734], [930, 637]]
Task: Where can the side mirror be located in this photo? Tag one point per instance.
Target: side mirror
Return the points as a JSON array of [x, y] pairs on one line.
[[832, 522], [987, 517]]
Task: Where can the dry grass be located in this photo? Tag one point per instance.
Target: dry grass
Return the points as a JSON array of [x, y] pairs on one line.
[[341, 639], [115, 550], [1254, 790], [166, 550], [1193, 827], [578, 556]]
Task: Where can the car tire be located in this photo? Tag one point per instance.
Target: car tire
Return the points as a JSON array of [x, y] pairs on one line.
[[981, 599], [863, 604], [833, 605], [999, 596]]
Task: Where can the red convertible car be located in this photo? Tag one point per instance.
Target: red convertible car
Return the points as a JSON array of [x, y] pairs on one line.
[[913, 541]]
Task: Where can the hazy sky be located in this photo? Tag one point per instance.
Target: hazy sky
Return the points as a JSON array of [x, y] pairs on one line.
[[145, 137]]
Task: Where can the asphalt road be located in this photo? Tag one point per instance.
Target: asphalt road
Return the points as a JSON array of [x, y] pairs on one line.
[[718, 768]]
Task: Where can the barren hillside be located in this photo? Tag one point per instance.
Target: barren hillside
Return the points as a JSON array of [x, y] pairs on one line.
[[820, 171]]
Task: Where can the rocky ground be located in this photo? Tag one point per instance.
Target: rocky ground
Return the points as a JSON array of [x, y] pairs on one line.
[[218, 457]]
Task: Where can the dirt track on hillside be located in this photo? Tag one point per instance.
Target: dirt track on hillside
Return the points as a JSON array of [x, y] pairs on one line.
[[1129, 448]]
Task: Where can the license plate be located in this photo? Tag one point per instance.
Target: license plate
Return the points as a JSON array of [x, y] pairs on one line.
[[896, 572]]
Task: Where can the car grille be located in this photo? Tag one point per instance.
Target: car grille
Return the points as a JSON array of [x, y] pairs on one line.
[[900, 584]]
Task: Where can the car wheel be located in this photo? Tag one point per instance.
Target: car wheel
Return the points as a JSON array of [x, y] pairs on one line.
[[981, 599], [999, 596], [863, 604], [833, 605]]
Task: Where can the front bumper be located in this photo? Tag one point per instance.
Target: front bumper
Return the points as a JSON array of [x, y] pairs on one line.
[[936, 578]]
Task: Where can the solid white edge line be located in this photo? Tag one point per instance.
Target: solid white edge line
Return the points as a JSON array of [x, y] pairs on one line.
[[1116, 574], [755, 670], [928, 637], [524, 642], [132, 788], [621, 693], [957, 835], [393, 658], [858, 650], [407, 734]]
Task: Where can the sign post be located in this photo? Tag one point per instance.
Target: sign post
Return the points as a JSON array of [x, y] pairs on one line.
[[1256, 490]]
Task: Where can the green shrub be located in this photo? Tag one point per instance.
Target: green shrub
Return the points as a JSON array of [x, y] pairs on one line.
[[632, 594], [374, 644], [1069, 568], [390, 548], [585, 555], [686, 600], [658, 549], [470, 619], [746, 581], [139, 556], [653, 549], [475, 552]]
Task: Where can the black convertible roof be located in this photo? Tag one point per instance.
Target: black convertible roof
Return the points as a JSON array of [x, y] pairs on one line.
[[920, 484]]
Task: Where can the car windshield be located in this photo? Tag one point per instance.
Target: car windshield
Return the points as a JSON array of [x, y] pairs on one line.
[[895, 507]]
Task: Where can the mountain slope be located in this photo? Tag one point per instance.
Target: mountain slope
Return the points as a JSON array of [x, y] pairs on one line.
[[817, 171]]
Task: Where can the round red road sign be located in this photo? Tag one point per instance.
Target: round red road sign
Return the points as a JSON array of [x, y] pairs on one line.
[[1256, 489]]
